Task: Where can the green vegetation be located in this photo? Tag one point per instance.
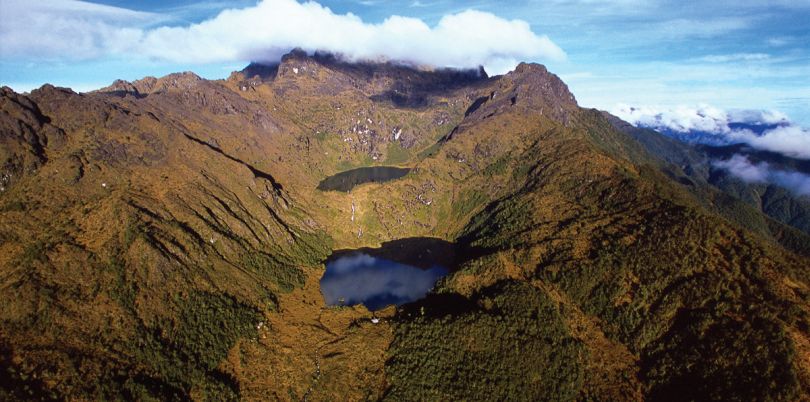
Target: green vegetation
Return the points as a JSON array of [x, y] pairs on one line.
[[184, 355], [430, 151], [34, 252], [698, 318], [468, 201], [498, 167], [587, 269], [210, 325], [751, 359], [13, 206], [396, 154], [310, 248], [286, 277], [321, 136], [508, 342]]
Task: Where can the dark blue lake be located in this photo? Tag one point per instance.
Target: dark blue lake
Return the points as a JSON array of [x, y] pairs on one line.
[[345, 181], [375, 282], [400, 272]]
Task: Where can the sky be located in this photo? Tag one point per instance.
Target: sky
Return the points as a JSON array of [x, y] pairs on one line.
[[654, 55]]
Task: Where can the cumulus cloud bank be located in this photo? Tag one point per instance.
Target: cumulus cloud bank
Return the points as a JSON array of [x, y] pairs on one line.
[[765, 130], [741, 167], [68, 29], [787, 140]]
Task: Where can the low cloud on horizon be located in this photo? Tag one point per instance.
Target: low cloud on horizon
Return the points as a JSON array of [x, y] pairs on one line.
[[70, 30], [741, 167], [766, 130]]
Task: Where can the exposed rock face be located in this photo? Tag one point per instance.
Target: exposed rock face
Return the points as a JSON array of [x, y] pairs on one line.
[[402, 85], [530, 87], [254, 74], [184, 81], [536, 78], [121, 86], [24, 135], [164, 239]]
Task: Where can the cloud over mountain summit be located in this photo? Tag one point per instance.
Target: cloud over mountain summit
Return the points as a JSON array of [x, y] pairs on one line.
[[76, 30]]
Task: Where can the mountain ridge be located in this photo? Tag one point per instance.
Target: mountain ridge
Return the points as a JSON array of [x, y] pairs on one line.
[[170, 247], [694, 162]]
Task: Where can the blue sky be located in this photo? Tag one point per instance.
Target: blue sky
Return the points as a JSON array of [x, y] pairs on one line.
[[742, 54]]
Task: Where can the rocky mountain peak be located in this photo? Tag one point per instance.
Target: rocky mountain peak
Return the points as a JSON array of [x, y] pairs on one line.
[[49, 90], [24, 135], [148, 85], [258, 70], [535, 78], [184, 80]]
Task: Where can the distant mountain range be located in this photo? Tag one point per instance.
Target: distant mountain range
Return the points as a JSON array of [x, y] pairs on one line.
[[693, 158], [712, 138], [164, 239]]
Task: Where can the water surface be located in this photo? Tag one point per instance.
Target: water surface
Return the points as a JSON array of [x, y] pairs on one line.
[[345, 181], [376, 282], [399, 272]]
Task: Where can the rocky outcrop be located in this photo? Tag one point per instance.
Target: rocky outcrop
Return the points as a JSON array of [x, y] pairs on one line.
[[25, 135]]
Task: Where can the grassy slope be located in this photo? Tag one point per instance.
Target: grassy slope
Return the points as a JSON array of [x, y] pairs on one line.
[[135, 268], [191, 275], [705, 309]]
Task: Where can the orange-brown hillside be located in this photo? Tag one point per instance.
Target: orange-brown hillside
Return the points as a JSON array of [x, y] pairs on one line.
[[164, 239]]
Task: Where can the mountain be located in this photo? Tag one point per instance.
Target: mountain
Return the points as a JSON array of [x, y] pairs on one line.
[[164, 239], [692, 164]]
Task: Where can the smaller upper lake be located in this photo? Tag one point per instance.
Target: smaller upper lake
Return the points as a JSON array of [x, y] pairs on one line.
[[345, 181], [401, 271]]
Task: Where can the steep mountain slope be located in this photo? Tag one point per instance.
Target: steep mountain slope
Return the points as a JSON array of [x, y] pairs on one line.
[[655, 293], [728, 195], [164, 238], [118, 248]]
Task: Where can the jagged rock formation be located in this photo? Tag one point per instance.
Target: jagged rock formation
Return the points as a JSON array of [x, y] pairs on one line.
[[164, 238]]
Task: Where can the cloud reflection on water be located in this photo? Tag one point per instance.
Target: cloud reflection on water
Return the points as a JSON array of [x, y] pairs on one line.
[[375, 282]]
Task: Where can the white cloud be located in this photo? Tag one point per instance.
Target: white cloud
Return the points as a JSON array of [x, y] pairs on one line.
[[707, 124], [757, 116], [736, 57], [466, 39], [741, 167], [682, 119], [779, 41], [66, 29], [779, 82], [797, 182], [787, 140], [79, 30], [198, 8]]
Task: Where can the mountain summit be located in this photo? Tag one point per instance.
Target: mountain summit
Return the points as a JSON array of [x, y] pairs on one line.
[[165, 238]]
